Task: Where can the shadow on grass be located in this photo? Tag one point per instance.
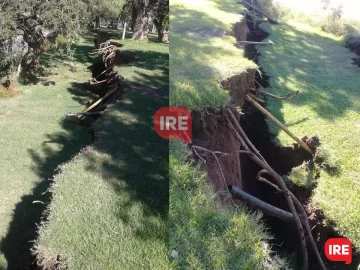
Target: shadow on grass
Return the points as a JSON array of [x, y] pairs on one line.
[[310, 60], [50, 60], [58, 149], [29, 211], [117, 34], [139, 158]]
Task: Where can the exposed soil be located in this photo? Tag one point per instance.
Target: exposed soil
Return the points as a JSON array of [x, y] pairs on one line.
[[210, 126], [355, 48], [282, 160]]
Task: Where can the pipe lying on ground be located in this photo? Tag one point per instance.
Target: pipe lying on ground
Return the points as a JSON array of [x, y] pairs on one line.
[[265, 207]]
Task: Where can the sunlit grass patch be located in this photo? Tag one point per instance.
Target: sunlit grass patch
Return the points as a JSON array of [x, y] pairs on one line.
[[203, 52], [110, 204], [34, 141], [316, 64]]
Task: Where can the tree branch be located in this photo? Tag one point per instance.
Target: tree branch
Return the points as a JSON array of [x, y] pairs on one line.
[[263, 164], [288, 96], [278, 123]]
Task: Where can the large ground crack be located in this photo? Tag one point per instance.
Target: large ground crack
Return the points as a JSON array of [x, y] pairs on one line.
[[282, 159]]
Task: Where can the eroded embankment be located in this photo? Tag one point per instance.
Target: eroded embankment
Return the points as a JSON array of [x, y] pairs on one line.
[[282, 160], [210, 129]]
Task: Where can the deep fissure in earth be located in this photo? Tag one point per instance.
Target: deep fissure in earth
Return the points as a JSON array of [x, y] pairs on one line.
[[282, 160]]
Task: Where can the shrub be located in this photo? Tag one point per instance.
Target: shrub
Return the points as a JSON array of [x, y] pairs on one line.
[[274, 10], [63, 44]]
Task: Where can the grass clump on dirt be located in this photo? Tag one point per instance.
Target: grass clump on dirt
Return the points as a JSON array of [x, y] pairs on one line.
[[34, 141], [109, 205], [313, 62], [203, 51], [206, 235]]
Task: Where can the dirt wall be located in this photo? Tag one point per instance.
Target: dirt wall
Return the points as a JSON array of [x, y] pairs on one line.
[[210, 128]]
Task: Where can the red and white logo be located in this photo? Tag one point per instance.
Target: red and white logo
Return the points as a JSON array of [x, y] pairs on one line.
[[338, 250], [173, 123]]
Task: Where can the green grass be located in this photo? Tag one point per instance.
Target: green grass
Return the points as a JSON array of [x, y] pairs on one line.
[[34, 140], [109, 204], [202, 61], [315, 63], [151, 68], [205, 234]]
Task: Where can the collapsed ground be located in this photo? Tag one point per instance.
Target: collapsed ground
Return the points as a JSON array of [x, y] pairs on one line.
[[324, 98], [110, 189], [203, 232], [301, 172], [315, 64]]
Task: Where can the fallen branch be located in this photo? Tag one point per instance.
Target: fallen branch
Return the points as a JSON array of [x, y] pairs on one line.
[[302, 214], [288, 96], [241, 136], [84, 113], [94, 81], [103, 72], [256, 98], [278, 123], [265, 207], [251, 148], [100, 100]]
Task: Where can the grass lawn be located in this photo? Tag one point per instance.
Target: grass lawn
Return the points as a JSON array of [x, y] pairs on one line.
[[202, 53], [205, 233], [152, 65], [34, 140], [110, 203], [315, 63]]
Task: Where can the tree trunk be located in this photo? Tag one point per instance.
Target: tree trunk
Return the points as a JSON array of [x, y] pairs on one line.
[[163, 35], [124, 30], [35, 39], [97, 22], [141, 29], [141, 19]]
